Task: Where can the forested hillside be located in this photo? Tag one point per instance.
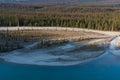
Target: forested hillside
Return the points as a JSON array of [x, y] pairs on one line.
[[100, 17]]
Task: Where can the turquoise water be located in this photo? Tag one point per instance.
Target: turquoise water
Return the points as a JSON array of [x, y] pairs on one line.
[[103, 68]]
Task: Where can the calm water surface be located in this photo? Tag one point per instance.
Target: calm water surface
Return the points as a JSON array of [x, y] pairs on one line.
[[106, 67]]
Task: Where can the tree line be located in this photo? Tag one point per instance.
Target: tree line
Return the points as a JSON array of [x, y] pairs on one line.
[[79, 17]]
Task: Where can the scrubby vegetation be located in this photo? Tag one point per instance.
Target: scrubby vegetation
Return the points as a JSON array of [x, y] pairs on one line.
[[16, 39]]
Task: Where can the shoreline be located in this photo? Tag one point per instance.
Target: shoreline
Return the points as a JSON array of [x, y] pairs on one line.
[[111, 33], [16, 39], [36, 57], [56, 63]]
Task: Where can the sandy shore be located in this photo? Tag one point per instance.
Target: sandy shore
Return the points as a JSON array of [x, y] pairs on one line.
[[113, 33], [12, 38], [71, 53]]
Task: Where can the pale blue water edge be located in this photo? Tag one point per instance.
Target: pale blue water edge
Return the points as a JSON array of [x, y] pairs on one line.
[[104, 68]]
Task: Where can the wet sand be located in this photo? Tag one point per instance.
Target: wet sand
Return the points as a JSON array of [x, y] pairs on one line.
[[62, 55]]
